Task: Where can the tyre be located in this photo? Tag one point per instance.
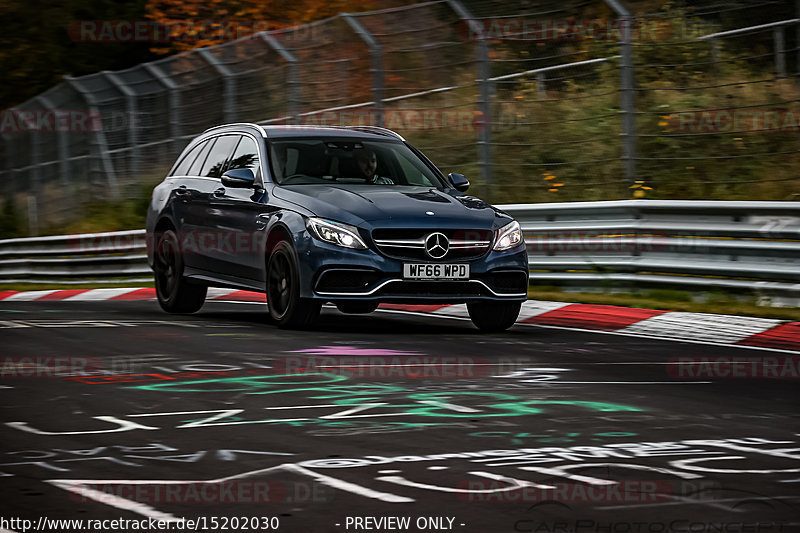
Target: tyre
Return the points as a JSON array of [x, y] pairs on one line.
[[493, 317], [356, 308], [286, 307], [175, 293]]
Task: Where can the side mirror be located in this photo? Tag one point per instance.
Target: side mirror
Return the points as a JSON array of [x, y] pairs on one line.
[[239, 178], [460, 183]]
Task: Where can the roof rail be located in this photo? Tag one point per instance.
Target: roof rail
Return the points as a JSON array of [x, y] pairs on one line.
[[251, 124], [377, 130]]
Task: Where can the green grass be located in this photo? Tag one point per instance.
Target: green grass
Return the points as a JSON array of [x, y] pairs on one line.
[[20, 287]]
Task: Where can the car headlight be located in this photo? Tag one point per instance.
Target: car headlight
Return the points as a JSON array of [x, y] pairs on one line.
[[335, 233], [509, 236]]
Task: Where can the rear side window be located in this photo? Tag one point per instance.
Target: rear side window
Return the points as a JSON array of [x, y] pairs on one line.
[[186, 162], [194, 170], [217, 160]]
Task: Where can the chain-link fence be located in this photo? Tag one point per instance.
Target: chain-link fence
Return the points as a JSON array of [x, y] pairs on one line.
[[535, 101]]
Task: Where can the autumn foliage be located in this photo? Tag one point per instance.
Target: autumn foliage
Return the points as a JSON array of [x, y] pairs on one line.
[[198, 23]]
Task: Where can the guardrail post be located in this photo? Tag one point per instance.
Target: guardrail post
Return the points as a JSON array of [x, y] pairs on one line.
[[485, 92], [174, 105], [628, 90], [780, 51], [292, 75], [100, 145], [376, 63], [229, 106]]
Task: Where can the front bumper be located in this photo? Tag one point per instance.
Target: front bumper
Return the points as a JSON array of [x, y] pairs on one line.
[[333, 273]]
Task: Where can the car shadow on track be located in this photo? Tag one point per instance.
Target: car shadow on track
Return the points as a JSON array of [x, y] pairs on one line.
[[379, 322]]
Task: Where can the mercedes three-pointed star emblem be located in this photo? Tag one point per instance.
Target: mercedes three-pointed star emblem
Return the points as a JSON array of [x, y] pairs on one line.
[[437, 245]]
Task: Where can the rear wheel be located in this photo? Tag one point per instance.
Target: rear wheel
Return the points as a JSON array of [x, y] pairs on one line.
[[356, 308], [175, 293], [286, 307], [493, 317]]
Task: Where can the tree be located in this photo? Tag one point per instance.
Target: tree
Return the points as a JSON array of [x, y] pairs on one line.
[[37, 47]]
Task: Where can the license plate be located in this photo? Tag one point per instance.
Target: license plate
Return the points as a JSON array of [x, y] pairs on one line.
[[435, 271]]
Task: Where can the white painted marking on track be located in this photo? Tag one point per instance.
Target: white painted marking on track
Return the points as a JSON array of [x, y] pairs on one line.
[[559, 382], [27, 296], [529, 308], [97, 294], [701, 326], [640, 335], [533, 308], [215, 292], [350, 487], [452, 310]]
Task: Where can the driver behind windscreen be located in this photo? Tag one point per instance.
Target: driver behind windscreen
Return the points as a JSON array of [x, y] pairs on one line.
[[367, 163]]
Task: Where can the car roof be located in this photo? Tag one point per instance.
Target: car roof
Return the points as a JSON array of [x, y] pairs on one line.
[[290, 131]]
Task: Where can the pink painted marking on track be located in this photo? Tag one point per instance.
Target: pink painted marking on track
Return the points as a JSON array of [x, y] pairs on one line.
[[352, 350]]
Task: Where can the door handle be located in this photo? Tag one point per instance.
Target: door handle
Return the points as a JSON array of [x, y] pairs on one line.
[[219, 192]]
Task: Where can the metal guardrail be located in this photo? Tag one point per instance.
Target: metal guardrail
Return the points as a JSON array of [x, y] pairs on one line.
[[694, 245], [111, 257]]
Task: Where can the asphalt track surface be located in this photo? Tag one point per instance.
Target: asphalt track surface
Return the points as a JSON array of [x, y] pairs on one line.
[[115, 410]]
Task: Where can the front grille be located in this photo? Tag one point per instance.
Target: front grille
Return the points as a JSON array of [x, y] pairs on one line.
[[347, 280], [409, 244]]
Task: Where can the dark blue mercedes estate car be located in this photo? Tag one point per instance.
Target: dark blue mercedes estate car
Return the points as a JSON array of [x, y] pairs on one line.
[[355, 216]]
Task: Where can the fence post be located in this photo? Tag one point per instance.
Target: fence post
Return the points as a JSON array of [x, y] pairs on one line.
[[780, 51], [36, 182], [292, 75], [174, 105], [132, 112], [100, 145], [541, 87], [485, 91], [376, 60], [228, 80], [63, 147], [715, 55], [33, 214], [628, 90]]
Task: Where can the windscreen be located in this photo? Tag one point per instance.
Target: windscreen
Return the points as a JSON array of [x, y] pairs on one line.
[[384, 164]]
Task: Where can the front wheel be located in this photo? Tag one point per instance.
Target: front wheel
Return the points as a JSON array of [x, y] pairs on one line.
[[286, 307], [175, 293], [493, 317]]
